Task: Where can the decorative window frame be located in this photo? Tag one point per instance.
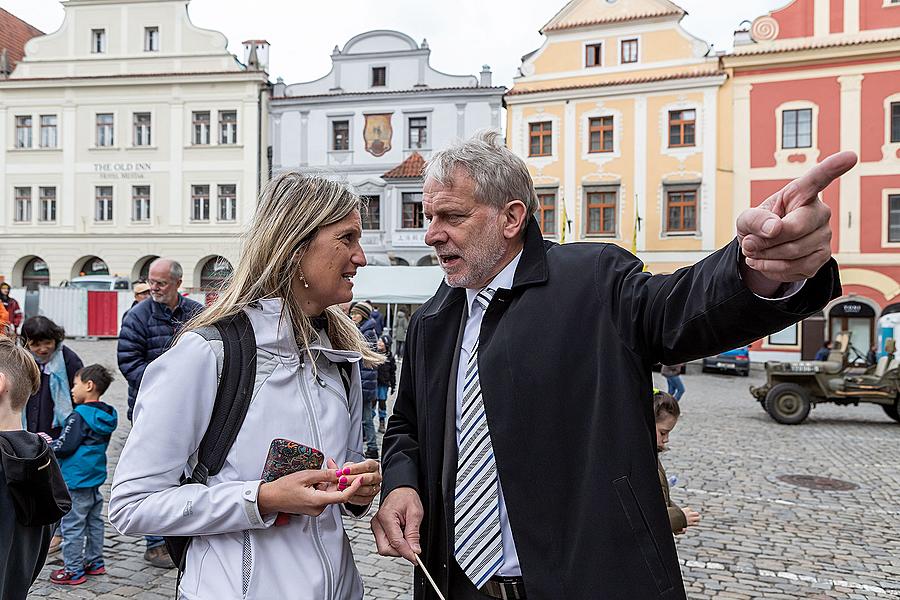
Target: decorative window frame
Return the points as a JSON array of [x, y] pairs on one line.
[[189, 205], [131, 185], [890, 4], [34, 206], [387, 76], [113, 204], [625, 38], [429, 130], [681, 152], [584, 46], [790, 157], [154, 132], [890, 150], [329, 132], [673, 185], [601, 158], [116, 131], [886, 193], [37, 208], [600, 186], [38, 128], [214, 203], [541, 162], [541, 189]]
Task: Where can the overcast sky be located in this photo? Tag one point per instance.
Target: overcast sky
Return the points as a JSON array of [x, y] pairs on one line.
[[462, 34]]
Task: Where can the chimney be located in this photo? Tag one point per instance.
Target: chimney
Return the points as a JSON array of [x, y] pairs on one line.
[[486, 76], [257, 53], [4, 64]]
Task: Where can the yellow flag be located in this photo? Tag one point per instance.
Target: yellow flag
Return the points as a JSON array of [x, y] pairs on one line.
[[565, 222], [637, 220]]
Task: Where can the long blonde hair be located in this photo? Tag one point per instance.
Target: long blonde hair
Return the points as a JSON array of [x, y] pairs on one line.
[[291, 210]]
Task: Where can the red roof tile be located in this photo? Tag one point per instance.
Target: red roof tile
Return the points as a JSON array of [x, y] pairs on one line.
[[411, 168], [631, 81], [14, 32]]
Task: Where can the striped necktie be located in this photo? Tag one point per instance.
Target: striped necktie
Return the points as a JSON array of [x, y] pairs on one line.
[[478, 546]]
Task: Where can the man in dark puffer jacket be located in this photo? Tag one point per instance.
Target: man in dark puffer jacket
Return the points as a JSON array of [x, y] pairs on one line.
[[147, 332], [361, 313]]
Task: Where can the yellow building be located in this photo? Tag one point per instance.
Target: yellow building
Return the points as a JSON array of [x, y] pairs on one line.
[[616, 116]]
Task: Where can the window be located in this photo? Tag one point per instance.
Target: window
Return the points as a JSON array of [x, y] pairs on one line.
[[340, 135], [23, 131], [681, 211], [796, 128], [785, 337], [104, 203], [540, 136], [411, 211], [98, 41], [894, 218], [199, 203], [23, 205], [379, 76], [601, 212], [105, 129], [228, 127], [142, 135], [371, 213], [140, 203], [546, 215], [629, 51], [47, 197], [200, 122], [601, 134], [227, 202], [682, 124], [593, 55], [151, 39], [895, 122], [48, 131], [418, 132]]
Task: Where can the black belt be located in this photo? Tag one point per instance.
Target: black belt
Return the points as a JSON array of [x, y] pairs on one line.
[[505, 588]]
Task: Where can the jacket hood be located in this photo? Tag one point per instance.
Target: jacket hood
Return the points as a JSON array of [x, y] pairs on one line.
[[23, 446], [33, 479], [99, 416]]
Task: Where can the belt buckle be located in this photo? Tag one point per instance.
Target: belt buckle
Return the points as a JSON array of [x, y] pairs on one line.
[[512, 590]]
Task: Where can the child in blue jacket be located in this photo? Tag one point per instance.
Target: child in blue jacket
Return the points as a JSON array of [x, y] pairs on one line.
[[81, 450]]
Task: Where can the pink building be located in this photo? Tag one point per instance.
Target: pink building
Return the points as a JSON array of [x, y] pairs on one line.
[[808, 80]]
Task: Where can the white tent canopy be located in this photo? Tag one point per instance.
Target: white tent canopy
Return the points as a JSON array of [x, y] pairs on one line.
[[396, 285]]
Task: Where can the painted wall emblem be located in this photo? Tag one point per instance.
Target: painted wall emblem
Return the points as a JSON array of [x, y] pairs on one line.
[[377, 134]]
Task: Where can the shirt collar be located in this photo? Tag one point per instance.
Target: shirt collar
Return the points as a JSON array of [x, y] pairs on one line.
[[503, 279]]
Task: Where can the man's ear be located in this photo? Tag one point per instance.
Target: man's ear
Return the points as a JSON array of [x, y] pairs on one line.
[[4, 383], [515, 217]]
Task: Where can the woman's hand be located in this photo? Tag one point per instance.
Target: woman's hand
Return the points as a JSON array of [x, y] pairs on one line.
[[305, 493], [367, 474]]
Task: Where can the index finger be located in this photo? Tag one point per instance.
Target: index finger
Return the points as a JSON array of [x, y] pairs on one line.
[[340, 497], [366, 466], [806, 189]]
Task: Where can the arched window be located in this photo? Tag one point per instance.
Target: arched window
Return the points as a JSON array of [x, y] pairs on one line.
[[93, 265], [36, 273], [215, 272]]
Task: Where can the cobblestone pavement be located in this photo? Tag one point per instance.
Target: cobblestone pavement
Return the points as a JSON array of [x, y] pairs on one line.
[[759, 538]]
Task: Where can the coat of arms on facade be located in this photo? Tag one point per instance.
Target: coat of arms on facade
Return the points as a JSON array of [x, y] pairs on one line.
[[378, 133]]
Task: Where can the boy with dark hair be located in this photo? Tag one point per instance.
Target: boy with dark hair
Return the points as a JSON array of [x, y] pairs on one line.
[[33, 495], [82, 452]]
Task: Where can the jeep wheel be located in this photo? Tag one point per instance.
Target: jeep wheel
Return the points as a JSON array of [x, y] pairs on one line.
[[788, 403], [893, 411]]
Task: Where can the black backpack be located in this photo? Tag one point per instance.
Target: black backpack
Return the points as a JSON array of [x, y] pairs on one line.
[[233, 395]]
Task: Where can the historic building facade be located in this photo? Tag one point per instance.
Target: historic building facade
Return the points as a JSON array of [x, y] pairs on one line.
[[372, 122], [808, 80], [129, 134], [616, 116]]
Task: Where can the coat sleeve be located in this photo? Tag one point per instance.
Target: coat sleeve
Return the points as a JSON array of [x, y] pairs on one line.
[[699, 310], [400, 463], [173, 408], [131, 351], [71, 437]]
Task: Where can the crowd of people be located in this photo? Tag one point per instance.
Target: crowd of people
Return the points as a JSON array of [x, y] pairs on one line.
[[253, 420]]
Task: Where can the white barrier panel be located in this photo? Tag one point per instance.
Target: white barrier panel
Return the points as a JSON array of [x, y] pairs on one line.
[[67, 307], [198, 297], [126, 299]]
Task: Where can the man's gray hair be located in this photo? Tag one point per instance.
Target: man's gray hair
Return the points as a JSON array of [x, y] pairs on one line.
[[499, 175], [175, 269]]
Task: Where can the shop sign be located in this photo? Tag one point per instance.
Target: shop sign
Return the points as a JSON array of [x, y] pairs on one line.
[[123, 170]]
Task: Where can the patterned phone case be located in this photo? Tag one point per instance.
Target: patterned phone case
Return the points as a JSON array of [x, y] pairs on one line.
[[286, 457]]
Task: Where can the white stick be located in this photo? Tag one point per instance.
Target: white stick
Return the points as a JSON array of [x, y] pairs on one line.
[[430, 580]]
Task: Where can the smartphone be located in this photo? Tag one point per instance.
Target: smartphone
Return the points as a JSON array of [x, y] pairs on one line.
[[286, 457]]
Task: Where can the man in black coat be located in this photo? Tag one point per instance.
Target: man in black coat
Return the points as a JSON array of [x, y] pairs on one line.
[[148, 329], [561, 344]]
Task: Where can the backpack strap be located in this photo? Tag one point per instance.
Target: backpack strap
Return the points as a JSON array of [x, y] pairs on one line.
[[235, 390]]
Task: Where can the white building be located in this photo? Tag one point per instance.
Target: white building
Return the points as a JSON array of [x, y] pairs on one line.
[[129, 134], [372, 122]]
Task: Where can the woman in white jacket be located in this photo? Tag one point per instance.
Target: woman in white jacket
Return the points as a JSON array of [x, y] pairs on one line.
[[299, 258]]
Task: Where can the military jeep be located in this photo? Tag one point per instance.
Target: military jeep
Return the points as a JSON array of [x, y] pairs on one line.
[[793, 388]]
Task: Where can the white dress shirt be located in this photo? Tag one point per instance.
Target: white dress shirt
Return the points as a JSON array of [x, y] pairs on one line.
[[504, 279]]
